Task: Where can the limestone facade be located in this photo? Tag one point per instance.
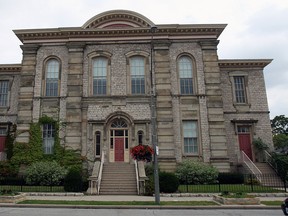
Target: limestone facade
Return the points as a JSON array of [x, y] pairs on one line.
[[93, 121]]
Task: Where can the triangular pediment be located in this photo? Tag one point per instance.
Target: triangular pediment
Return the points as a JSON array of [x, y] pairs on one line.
[[118, 19]]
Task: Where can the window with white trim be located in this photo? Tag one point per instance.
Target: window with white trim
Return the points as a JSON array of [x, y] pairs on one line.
[[190, 137], [239, 88], [185, 68], [4, 92], [52, 78], [48, 135], [137, 73], [99, 67]]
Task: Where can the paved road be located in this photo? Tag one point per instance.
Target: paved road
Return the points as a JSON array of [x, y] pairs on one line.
[[134, 212]]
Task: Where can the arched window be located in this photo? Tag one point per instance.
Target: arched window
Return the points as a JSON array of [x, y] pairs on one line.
[[140, 137], [97, 144], [137, 73], [99, 67], [52, 74], [185, 68]]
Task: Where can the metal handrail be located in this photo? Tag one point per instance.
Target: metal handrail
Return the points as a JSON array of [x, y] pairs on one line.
[[269, 159], [252, 167], [100, 173], [137, 176]]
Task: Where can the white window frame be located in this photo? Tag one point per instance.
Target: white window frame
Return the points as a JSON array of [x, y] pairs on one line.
[[48, 136], [190, 137], [186, 75], [52, 77], [4, 93]]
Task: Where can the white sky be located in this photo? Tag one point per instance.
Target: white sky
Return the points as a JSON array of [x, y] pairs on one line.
[[256, 28]]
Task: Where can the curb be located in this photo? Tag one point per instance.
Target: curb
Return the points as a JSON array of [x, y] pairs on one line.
[[137, 207]]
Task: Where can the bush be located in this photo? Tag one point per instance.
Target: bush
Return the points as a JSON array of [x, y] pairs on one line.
[[230, 178], [73, 181], [193, 172], [7, 169], [45, 173], [168, 182]]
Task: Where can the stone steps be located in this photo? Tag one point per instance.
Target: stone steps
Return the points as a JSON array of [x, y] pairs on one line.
[[118, 179]]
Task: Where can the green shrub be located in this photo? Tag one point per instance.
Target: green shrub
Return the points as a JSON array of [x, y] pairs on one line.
[[45, 173], [193, 172], [230, 178], [7, 169], [149, 186], [168, 182], [73, 181]]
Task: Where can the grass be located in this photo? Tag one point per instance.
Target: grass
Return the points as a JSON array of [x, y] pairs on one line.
[[120, 203], [272, 203]]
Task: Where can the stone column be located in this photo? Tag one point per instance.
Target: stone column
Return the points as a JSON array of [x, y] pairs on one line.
[[214, 103], [26, 92], [74, 96], [164, 113]]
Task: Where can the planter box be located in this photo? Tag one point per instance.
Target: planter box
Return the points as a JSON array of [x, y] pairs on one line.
[[236, 201], [12, 199]]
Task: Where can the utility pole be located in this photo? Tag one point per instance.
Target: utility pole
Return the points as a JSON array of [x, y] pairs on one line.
[[154, 120]]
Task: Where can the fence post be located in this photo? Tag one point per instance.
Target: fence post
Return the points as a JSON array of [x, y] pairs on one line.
[[187, 184], [219, 186], [285, 184], [251, 182]]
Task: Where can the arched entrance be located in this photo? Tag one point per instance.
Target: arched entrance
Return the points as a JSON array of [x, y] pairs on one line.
[[119, 141]]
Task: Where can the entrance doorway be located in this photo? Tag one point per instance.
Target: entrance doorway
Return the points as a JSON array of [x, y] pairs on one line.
[[244, 139], [119, 145]]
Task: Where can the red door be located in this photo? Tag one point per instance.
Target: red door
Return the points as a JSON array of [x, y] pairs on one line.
[[119, 149], [2, 143], [245, 144]]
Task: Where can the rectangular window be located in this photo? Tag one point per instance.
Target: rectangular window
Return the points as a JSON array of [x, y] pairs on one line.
[[239, 85], [100, 76], [98, 143], [190, 137], [4, 90], [48, 135], [137, 68]]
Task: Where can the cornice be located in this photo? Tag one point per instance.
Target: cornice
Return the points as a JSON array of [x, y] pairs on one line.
[[10, 68], [79, 34], [244, 63]]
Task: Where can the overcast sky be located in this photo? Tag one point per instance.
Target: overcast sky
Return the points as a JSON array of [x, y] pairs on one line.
[[256, 28]]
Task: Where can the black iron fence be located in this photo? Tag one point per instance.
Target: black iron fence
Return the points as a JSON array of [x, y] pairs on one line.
[[262, 183]]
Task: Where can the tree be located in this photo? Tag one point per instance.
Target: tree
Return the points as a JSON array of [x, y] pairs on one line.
[[280, 133], [279, 125]]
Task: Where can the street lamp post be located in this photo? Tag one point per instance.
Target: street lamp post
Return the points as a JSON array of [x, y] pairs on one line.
[[153, 120]]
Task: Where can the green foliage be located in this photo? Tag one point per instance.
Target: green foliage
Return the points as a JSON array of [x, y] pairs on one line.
[[10, 141], [21, 154], [279, 125], [281, 164], [7, 169], [73, 181], [280, 141], [230, 178], [168, 182], [193, 172], [259, 144], [45, 173], [149, 186], [35, 142]]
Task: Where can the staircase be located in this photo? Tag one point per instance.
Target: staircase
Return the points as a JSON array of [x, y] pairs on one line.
[[118, 179], [270, 176]]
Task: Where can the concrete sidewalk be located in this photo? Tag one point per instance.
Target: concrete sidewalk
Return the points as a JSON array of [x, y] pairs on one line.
[[165, 197]]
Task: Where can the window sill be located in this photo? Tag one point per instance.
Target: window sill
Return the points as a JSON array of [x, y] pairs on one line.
[[242, 107]]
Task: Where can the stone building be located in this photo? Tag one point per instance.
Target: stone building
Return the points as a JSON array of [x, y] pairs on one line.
[[98, 79]]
